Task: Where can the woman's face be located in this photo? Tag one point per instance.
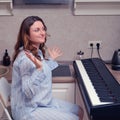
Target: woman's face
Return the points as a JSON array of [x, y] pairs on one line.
[[37, 33]]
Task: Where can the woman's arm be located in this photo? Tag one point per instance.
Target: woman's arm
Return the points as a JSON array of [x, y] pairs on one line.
[[31, 77]]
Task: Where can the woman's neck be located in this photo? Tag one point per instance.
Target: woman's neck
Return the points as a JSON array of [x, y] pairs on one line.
[[36, 46]]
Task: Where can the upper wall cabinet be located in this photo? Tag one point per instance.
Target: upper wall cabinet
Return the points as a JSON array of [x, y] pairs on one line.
[[6, 7], [96, 7]]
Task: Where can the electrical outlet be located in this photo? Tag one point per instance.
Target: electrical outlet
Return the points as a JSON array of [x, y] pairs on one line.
[[94, 43]]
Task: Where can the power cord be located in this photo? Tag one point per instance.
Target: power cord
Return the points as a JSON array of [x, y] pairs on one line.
[[91, 45], [98, 50]]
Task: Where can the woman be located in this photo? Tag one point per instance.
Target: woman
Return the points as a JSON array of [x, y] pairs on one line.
[[31, 90]]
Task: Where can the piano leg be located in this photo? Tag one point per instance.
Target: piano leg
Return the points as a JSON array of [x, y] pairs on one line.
[[79, 101], [81, 114]]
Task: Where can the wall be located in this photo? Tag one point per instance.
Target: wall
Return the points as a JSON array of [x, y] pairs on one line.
[[71, 33]]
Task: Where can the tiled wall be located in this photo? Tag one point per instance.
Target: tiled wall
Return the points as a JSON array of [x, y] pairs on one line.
[[71, 33]]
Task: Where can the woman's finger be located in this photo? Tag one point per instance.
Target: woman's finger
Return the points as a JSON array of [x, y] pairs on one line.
[[37, 62]]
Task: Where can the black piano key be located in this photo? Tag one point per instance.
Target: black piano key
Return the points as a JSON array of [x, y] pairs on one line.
[[107, 99]]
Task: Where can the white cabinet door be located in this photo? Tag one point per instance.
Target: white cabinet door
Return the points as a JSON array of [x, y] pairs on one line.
[[96, 7], [6, 7], [64, 91]]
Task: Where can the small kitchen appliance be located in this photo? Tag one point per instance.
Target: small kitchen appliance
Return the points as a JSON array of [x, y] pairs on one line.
[[116, 60]]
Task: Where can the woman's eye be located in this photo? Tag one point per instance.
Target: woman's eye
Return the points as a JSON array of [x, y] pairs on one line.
[[36, 30], [43, 29]]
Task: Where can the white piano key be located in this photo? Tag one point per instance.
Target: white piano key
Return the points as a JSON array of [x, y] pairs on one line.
[[88, 85]]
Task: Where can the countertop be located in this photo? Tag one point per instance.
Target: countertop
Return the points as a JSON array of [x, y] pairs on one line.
[[67, 79], [115, 73], [55, 79]]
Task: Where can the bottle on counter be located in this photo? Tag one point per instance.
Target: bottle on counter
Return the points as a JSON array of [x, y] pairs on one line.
[[6, 59]]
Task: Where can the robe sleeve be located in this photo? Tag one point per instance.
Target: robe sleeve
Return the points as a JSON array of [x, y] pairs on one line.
[[52, 63], [31, 77]]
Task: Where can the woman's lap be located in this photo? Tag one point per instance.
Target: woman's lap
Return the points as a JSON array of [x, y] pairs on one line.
[[60, 110], [52, 114], [66, 106]]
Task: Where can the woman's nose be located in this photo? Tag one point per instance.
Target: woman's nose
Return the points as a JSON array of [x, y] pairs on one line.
[[42, 32]]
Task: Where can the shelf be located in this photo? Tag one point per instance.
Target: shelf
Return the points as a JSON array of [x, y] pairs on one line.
[[96, 7], [6, 7]]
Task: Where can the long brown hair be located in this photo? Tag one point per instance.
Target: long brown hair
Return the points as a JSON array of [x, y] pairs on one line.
[[23, 39]]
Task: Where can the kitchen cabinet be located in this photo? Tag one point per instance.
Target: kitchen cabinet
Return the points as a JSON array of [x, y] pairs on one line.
[[64, 91], [6, 7], [96, 7]]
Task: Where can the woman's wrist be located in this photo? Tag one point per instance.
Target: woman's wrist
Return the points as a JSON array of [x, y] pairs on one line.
[[39, 68]]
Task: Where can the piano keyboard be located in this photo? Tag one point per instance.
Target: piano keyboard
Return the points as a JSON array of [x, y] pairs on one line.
[[95, 100], [99, 88]]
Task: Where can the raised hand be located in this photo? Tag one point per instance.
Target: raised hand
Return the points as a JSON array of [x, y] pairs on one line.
[[54, 52], [37, 62]]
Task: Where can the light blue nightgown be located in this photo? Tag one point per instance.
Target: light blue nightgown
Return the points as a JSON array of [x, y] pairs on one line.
[[31, 92]]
